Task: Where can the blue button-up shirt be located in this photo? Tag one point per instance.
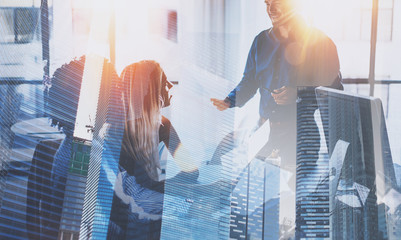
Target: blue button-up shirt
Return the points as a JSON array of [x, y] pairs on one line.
[[309, 60]]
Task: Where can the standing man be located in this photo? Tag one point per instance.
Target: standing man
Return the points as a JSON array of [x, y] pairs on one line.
[[285, 63]]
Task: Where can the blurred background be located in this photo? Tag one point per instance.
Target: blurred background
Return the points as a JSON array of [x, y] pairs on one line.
[[201, 44]]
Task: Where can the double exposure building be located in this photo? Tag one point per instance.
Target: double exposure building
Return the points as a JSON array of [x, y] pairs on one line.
[[312, 187], [358, 148]]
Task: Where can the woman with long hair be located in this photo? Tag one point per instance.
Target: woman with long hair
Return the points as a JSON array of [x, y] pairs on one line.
[[138, 192]]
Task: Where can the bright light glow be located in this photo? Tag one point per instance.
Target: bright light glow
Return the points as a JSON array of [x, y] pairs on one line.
[[82, 4], [131, 32], [133, 44], [98, 48], [135, 32], [327, 15]]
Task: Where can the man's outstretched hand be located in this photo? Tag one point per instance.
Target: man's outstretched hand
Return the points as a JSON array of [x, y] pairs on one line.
[[221, 105]]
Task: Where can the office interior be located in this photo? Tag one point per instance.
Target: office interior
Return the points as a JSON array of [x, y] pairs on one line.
[[202, 45]]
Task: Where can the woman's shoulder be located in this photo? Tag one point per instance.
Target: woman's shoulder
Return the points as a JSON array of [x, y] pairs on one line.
[[165, 121]]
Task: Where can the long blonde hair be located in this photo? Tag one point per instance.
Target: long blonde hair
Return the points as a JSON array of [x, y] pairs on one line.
[[142, 99]]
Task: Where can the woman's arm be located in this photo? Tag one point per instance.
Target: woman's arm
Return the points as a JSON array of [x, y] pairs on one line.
[[182, 157], [169, 136]]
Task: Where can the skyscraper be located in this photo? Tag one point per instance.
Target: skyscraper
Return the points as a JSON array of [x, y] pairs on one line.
[[312, 189], [105, 153], [75, 191], [361, 168]]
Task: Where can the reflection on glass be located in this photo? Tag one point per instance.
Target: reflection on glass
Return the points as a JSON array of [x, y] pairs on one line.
[[362, 182], [50, 164]]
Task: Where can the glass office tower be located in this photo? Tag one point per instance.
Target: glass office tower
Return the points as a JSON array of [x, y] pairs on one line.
[[70, 222], [362, 180], [312, 187], [106, 144]]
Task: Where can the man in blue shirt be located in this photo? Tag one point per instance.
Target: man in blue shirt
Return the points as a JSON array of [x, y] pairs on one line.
[[284, 62], [284, 57]]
